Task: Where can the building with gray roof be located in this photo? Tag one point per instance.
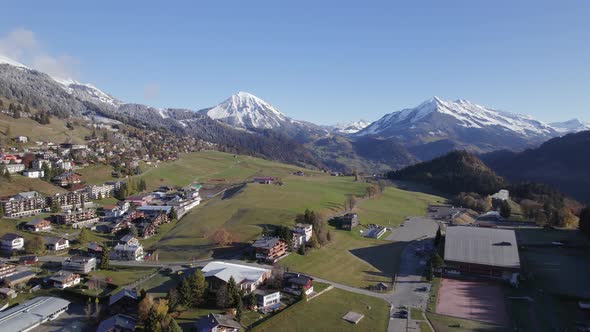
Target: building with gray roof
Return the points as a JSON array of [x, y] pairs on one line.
[[32, 313], [481, 251]]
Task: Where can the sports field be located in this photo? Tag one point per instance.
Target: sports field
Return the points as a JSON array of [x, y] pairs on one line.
[[473, 300], [325, 312]]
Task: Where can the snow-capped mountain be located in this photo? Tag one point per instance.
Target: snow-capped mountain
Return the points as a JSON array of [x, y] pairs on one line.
[[571, 126], [442, 125], [350, 127], [245, 110], [80, 90], [464, 114]]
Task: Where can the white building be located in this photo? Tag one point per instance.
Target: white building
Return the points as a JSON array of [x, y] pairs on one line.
[[124, 252], [14, 168], [103, 190], [21, 139], [34, 173], [117, 210], [502, 195], [248, 278], [10, 241], [302, 234], [56, 243], [265, 298]]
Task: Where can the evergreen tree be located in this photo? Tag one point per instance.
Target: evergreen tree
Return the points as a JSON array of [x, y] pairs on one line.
[[250, 301], [84, 235], [232, 291], [198, 286], [185, 294], [301, 250], [172, 215], [438, 237], [104, 259], [222, 297], [239, 309]]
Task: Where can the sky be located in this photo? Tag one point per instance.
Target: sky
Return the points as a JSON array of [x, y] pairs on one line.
[[320, 61]]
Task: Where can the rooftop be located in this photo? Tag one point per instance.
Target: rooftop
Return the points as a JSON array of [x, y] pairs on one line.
[[484, 246], [28, 314], [266, 242], [118, 321], [241, 273]]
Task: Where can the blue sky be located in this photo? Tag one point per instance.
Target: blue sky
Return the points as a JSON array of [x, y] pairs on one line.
[[330, 62]]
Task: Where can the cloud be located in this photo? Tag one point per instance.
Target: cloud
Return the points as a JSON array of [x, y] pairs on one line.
[[18, 42], [151, 91], [23, 46]]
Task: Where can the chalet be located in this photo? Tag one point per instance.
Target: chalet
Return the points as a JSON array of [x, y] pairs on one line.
[[79, 264], [53, 243], [129, 240], [38, 225], [19, 278], [217, 323], [10, 158], [34, 173], [349, 221], [493, 216], [269, 248], [248, 278], [28, 260], [94, 249], [125, 296], [266, 298], [123, 252], [11, 241], [301, 234], [77, 218], [23, 204], [117, 323], [67, 179], [264, 179], [64, 279], [6, 270], [295, 283]]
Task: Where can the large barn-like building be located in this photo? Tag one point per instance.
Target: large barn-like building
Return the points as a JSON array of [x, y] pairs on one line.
[[478, 251]]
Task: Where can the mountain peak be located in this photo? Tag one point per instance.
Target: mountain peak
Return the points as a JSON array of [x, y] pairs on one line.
[[245, 110]]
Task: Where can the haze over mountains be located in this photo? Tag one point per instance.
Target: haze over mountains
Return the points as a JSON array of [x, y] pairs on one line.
[[249, 124]]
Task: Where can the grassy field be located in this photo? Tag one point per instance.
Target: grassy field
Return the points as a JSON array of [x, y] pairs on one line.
[[212, 166], [325, 312], [96, 174], [56, 131], [20, 183], [349, 259], [443, 323], [392, 206], [122, 276], [248, 210]]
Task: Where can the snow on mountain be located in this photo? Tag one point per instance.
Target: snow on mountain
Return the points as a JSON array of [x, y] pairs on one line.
[[81, 90], [461, 113], [11, 62], [350, 127], [245, 110], [571, 126]]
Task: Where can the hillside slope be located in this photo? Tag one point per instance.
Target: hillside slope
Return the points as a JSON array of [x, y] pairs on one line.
[[560, 162], [458, 171]]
